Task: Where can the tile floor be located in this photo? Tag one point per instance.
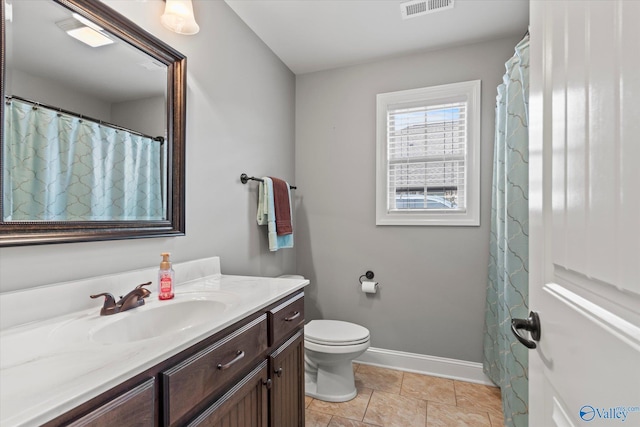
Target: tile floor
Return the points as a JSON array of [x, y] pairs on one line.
[[390, 398]]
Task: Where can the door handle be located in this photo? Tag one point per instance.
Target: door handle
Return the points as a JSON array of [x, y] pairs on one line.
[[531, 324]]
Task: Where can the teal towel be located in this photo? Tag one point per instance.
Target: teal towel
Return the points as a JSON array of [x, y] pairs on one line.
[[267, 216]]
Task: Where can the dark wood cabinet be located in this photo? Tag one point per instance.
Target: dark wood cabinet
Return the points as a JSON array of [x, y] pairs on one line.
[[132, 408], [249, 374], [204, 375], [243, 406], [246, 403], [287, 386], [285, 318]]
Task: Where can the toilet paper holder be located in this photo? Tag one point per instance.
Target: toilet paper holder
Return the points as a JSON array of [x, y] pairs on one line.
[[369, 275], [368, 286]]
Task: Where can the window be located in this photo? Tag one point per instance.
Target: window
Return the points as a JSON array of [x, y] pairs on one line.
[[428, 156]]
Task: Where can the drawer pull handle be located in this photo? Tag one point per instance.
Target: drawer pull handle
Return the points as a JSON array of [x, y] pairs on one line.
[[296, 314], [239, 355]]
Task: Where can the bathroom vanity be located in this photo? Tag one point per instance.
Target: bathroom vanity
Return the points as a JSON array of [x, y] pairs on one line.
[[231, 353]]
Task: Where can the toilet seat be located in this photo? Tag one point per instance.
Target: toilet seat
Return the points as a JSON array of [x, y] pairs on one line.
[[335, 333]]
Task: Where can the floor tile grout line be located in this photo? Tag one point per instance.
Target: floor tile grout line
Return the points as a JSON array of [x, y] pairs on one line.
[[455, 393], [426, 414], [367, 407]]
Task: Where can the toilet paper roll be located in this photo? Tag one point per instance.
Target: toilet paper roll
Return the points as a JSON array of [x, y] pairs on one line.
[[369, 287]]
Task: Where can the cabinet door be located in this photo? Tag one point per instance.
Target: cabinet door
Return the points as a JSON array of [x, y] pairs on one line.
[[242, 406], [132, 408], [287, 388]]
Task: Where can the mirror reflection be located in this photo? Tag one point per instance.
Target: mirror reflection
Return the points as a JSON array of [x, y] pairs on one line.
[[92, 142], [85, 121]]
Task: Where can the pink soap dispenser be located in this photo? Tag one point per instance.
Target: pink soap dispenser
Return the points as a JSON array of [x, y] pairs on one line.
[[165, 278]]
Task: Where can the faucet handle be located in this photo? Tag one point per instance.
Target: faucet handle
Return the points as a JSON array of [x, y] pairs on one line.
[[109, 303], [144, 291], [135, 298], [108, 298]]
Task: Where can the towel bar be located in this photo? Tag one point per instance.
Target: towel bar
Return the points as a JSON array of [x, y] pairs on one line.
[[244, 178]]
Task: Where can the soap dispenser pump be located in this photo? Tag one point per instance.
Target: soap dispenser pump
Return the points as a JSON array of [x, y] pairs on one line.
[[165, 278]]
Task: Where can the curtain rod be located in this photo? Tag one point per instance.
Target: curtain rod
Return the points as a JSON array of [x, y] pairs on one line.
[[244, 178], [81, 116]]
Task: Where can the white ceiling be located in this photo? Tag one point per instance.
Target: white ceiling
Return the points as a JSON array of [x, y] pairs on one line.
[[313, 35]]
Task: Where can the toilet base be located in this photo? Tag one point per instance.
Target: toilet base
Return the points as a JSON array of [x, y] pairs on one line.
[[331, 383], [325, 398]]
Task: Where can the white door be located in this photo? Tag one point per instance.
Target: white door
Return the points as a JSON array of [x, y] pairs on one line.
[[585, 212]]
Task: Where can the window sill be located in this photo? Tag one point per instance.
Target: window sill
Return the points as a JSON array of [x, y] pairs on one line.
[[457, 219]]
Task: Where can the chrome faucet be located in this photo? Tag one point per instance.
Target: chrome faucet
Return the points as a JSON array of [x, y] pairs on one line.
[[133, 299]]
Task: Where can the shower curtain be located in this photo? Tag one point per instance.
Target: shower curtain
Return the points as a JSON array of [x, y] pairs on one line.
[[62, 168], [505, 359]]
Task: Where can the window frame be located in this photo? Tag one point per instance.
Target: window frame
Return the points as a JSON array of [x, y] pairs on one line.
[[433, 95]]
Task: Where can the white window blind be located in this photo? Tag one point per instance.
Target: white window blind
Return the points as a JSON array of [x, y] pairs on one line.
[[426, 157]]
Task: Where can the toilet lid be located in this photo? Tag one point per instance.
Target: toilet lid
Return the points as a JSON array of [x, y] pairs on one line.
[[335, 332]]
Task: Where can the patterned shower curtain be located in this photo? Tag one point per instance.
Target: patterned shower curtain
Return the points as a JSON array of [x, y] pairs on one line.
[[505, 359], [61, 168]]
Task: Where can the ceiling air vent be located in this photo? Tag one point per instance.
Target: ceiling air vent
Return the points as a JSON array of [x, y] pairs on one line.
[[413, 8]]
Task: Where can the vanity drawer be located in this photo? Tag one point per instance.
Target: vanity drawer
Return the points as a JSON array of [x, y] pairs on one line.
[[189, 384], [136, 404], [286, 318]]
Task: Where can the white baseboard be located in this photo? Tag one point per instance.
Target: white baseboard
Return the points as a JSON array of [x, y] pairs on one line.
[[430, 365]]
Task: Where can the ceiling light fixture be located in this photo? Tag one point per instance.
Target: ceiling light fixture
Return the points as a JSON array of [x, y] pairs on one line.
[[178, 17], [84, 30]]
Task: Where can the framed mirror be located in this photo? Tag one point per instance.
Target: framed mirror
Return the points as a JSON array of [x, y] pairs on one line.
[[93, 126]]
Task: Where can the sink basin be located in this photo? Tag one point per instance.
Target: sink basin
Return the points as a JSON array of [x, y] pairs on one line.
[[152, 320], [164, 319]]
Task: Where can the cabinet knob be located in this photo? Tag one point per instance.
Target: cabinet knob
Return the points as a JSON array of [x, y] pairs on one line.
[[278, 372], [267, 383]]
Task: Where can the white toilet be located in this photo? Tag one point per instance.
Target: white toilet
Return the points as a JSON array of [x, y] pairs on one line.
[[329, 348]]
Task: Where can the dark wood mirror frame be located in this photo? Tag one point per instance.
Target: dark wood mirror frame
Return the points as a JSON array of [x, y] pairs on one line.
[[32, 233]]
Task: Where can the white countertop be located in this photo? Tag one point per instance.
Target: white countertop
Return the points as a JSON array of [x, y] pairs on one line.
[[45, 373]]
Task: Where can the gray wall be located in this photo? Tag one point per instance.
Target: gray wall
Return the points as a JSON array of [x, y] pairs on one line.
[[432, 279], [147, 115], [51, 92], [240, 118]]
